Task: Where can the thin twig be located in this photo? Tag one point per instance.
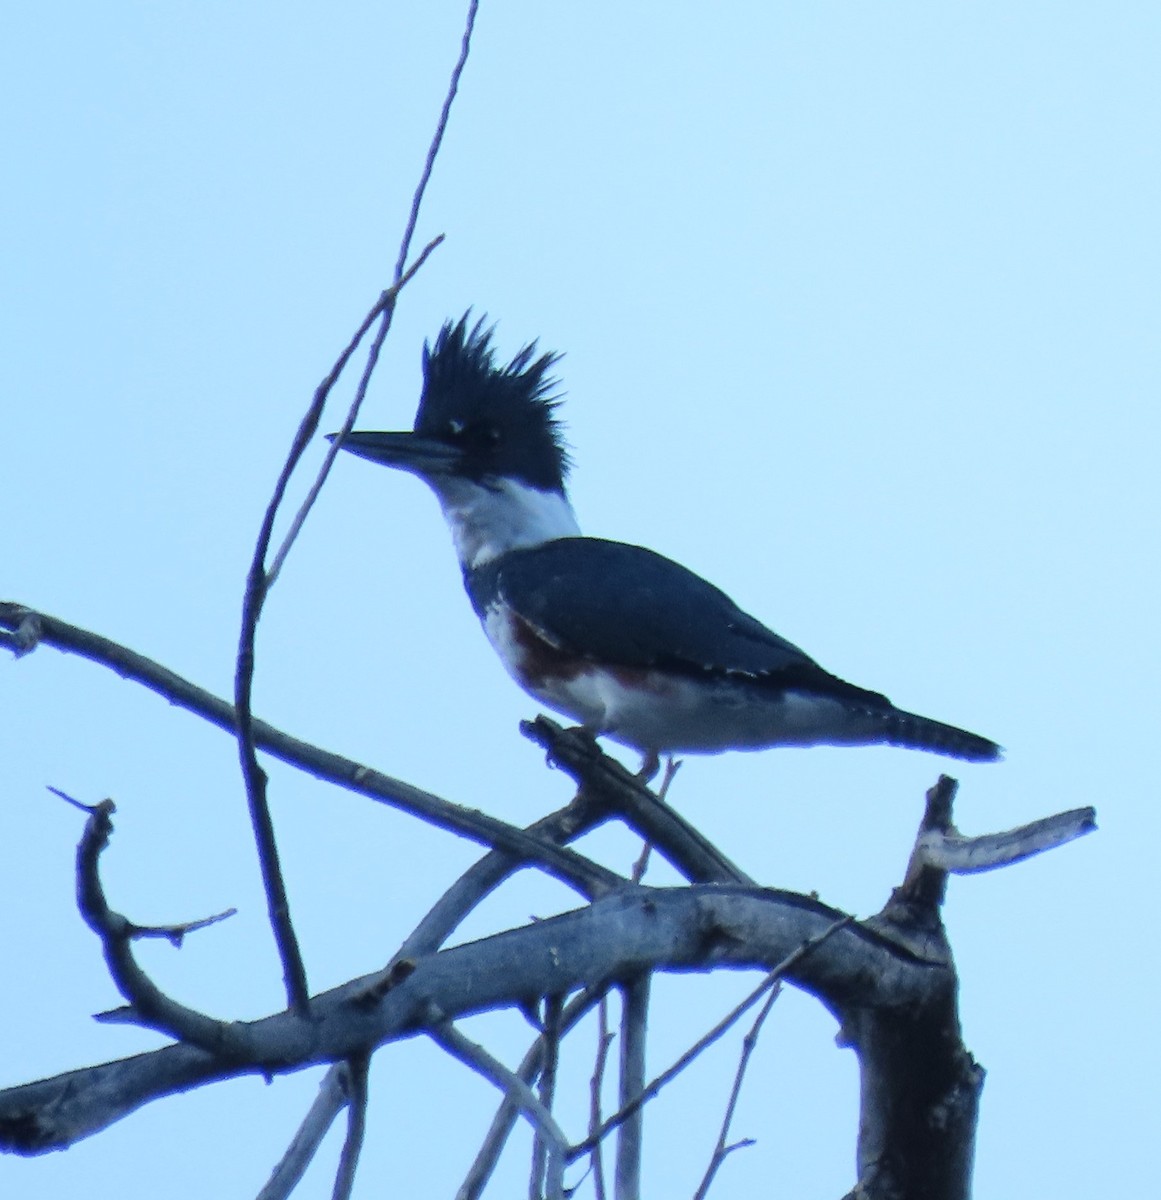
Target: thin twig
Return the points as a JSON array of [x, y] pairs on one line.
[[384, 307], [486, 874], [499, 1131], [707, 1040], [288, 1172], [88, 809], [176, 934], [641, 864], [550, 1040], [148, 1005], [311, 420], [672, 766], [277, 901], [437, 140], [473, 1055], [259, 580], [596, 1086], [722, 1150], [588, 878], [505, 1119], [356, 1078]]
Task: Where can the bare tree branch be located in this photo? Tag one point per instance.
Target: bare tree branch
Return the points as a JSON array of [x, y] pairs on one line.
[[672, 766], [578, 872], [148, 1004], [259, 580], [437, 139], [550, 1058], [500, 1130], [175, 935], [277, 901], [604, 1041], [356, 1079], [631, 1127], [920, 1086], [890, 981], [722, 1150], [606, 781], [383, 308], [332, 1097], [646, 1093], [941, 846], [505, 1119], [618, 936], [473, 1055], [310, 421], [486, 874]]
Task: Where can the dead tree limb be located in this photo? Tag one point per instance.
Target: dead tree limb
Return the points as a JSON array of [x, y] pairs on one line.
[[894, 996], [920, 1086], [638, 929], [39, 628]]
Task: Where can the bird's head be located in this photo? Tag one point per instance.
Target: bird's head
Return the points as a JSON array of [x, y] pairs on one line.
[[478, 420]]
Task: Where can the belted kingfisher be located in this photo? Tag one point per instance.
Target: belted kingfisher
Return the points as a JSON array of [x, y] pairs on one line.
[[630, 644]]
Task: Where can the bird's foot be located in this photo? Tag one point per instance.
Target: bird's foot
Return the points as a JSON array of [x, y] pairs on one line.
[[672, 766]]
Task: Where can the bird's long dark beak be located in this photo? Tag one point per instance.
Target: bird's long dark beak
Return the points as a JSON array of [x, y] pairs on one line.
[[406, 451]]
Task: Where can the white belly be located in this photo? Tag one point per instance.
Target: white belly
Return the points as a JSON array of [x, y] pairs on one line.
[[654, 711], [671, 714]]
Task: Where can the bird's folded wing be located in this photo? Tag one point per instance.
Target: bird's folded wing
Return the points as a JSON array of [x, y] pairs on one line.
[[625, 605]]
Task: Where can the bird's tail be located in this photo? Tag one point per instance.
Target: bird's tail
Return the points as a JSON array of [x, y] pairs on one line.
[[921, 733]]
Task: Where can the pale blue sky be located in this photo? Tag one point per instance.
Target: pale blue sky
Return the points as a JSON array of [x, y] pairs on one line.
[[860, 308]]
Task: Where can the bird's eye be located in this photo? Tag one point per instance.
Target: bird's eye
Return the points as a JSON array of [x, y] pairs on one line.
[[481, 435]]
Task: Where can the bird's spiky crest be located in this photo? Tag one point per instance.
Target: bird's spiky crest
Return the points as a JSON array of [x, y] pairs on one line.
[[503, 417]]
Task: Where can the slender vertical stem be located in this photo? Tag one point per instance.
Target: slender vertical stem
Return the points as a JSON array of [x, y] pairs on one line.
[[437, 140], [596, 1085], [260, 579], [634, 1020], [356, 1076], [553, 1007]]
